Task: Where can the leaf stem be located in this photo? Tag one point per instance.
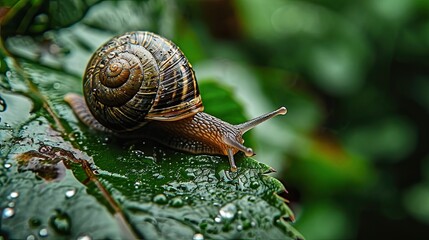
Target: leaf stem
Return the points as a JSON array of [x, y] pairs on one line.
[[33, 88], [128, 233]]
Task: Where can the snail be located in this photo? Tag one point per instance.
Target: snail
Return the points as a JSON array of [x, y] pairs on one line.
[[141, 84]]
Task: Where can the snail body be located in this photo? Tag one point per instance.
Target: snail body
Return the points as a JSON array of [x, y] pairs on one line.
[[140, 83]]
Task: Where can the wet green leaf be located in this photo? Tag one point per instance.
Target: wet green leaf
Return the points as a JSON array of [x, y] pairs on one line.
[[63, 180]]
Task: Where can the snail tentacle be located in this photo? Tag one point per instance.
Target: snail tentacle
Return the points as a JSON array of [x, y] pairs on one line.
[[246, 126], [231, 160], [233, 143]]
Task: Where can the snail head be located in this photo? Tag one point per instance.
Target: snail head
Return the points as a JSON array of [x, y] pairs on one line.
[[235, 143]]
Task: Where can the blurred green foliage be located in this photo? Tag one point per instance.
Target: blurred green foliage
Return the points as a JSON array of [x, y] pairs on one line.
[[352, 150]]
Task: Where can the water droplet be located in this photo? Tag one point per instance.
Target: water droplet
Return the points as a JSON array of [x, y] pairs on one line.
[[3, 105], [138, 153], [176, 202], [84, 237], [57, 86], [13, 195], [11, 204], [45, 149], [160, 176], [31, 237], [61, 223], [34, 222], [43, 232], [76, 134], [8, 212], [160, 199], [70, 193], [198, 236], [239, 227], [7, 165], [228, 211], [190, 175], [253, 224], [254, 184], [137, 184], [218, 219]]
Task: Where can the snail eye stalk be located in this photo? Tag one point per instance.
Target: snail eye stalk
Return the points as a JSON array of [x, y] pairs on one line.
[[246, 126]]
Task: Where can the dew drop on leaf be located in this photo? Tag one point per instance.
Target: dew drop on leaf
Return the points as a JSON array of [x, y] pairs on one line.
[[228, 211], [160, 199], [57, 86], [61, 223], [3, 105], [190, 175], [70, 193], [158, 176], [137, 184], [84, 237], [8, 212], [34, 222], [253, 224], [43, 232], [31, 237], [14, 195], [198, 236], [254, 184], [176, 202]]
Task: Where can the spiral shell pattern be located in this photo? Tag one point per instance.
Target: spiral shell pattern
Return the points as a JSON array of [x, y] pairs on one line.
[[137, 77]]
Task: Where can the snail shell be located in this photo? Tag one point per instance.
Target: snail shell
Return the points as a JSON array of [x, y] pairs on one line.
[[142, 84], [138, 77]]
